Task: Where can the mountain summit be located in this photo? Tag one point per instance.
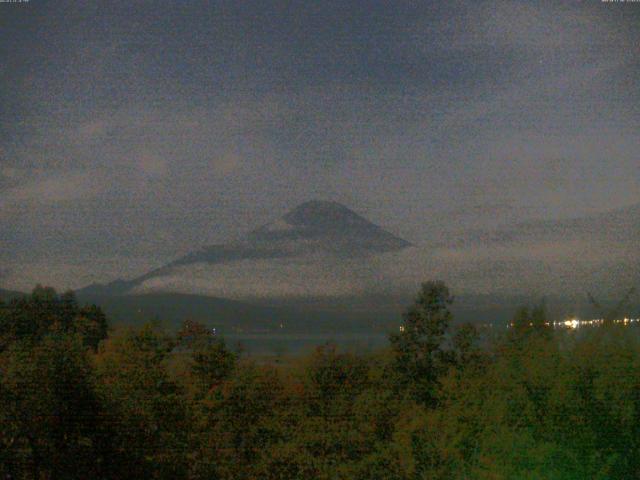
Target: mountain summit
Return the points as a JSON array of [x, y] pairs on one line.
[[324, 214], [327, 226]]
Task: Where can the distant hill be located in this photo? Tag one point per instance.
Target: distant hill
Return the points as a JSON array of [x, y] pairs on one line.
[[9, 294]]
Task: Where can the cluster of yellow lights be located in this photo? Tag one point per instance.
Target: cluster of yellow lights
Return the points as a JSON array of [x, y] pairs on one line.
[[571, 323], [576, 322]]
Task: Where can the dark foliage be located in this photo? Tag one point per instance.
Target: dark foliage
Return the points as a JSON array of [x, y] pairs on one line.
[[141, 403]]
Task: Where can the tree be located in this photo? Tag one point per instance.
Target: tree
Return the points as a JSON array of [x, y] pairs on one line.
[[209, 361], [330, 424], [212, 362], [44, 311], [419, 354], [528, 321], [192, 332], [465, 346], [236, 422], [91, 324], [49, 413], [146, 412]]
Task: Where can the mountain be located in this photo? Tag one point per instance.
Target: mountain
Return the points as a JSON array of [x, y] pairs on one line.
[[323, 266], [325, 250], [327, 226], [314, 227], [317, 244]]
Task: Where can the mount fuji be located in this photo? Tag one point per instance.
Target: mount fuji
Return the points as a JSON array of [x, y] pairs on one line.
[[318, 249], [324, 261]]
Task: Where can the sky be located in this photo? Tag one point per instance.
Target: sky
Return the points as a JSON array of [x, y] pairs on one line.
[[135, 132]]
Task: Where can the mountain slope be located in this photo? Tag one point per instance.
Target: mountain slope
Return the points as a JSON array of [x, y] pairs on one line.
[[319, 241]]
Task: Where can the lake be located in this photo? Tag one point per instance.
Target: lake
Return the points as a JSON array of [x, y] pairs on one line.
[[297, 343]]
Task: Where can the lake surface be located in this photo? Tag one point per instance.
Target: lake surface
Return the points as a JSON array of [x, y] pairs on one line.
[[278, 344], [296, 343]]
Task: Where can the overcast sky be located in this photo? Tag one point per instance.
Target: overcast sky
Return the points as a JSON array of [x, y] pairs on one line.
[[132, 132]]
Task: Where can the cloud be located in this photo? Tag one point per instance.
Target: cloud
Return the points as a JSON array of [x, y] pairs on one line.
[[52, 190], [89, 132], [510, 25], [10, 173], [472, 114], [227, 162], [151, 165], [71, 271]]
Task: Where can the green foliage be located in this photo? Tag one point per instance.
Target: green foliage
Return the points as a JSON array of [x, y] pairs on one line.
[[236, 422], [439, 404], [528, 321], [48, 410], [419, 348], [205, 360], [212, 363], [43, 312], [192, 332], [538, 409], [146, 417]]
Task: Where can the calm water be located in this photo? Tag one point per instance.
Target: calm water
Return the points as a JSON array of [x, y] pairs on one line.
[[299, 343], [296, 343]]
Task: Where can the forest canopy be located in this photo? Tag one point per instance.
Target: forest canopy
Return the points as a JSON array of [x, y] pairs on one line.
[[79, 399]]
